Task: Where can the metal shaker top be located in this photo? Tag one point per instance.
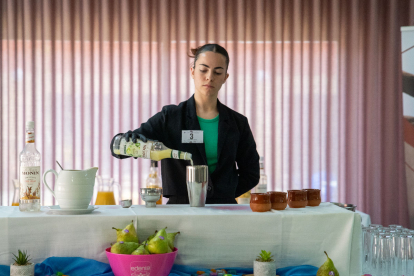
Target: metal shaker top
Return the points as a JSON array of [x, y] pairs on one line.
[[197, 173]]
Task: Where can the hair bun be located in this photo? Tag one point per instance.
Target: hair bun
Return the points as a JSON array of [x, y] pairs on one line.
[[194, 51]]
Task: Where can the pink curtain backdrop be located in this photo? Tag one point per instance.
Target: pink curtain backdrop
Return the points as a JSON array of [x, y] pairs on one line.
[[319, 80]]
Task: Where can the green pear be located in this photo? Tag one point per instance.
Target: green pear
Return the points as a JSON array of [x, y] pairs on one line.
[[171, 238], [328, 268], [145, 244], [152, 236], [159, 243], [141, 250], [128, 234], [124, 247]]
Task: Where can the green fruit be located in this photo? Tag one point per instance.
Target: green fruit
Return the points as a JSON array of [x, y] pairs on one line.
[[152, 236], [128, 234], [124, 247], [140, 251], [171, 238], [328, 268], [159, 244]]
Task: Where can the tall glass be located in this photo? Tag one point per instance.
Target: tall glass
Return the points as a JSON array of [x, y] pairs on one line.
[[16, 195], [374, 253], [395, 226], [374, 226], [366, 238], [384, 255], [405, 262]]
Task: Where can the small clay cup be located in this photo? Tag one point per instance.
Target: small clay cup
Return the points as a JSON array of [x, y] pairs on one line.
[[314, 197], [297, 198], [260, 202], [278, 200]]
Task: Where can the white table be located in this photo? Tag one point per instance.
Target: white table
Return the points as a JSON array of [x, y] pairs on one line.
[[365, 218], [214, 236]]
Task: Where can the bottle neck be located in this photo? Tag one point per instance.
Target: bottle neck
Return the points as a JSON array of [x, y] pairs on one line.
[[30, 136]]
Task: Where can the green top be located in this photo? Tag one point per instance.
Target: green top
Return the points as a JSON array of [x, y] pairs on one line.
[[210, 138]]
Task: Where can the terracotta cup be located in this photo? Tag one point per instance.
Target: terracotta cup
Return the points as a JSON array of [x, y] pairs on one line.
[[297, 198], [260, 202], [314, 197], [278, 200]]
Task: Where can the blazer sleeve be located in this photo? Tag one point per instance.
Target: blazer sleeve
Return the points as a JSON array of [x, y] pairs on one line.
[[153, 129], [247, 160]]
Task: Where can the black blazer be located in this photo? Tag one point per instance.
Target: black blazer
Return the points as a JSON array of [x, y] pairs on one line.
[[236, 145]]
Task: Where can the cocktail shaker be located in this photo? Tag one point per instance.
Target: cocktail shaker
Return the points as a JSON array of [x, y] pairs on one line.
[[197, 182]]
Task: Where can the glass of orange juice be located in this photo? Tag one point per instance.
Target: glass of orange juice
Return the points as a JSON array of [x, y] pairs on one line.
[[107, 191], [16, 195]]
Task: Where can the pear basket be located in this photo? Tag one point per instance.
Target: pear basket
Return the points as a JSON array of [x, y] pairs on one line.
[[149, 265], [153, 257]]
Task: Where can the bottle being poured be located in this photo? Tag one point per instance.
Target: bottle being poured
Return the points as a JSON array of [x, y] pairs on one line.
[[153, 150]]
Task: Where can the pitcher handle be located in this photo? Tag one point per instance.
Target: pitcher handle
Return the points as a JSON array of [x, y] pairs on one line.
[[44, 180]]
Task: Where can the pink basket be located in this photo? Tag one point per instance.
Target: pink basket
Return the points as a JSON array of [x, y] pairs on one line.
[[141, 265]]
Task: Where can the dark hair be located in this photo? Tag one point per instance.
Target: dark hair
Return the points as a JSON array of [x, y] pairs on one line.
[[215, 48]]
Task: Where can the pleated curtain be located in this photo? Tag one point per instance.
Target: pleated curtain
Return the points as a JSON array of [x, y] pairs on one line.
[[318, 80]]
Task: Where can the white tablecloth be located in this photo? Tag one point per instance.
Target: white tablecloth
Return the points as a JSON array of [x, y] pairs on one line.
[[214, 236], [365, 218]]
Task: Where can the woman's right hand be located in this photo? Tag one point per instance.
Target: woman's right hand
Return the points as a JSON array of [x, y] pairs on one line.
[[134, 135]]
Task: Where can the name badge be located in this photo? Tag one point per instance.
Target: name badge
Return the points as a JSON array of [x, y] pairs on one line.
[[192, 137]]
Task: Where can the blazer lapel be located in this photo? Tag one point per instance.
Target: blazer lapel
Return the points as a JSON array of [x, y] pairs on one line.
[[193, 124], [222, 130]]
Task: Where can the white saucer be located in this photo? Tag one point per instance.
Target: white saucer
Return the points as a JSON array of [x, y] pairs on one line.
[[55, 210]]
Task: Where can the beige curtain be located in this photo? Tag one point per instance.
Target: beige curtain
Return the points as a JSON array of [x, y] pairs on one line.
[[319, 80]]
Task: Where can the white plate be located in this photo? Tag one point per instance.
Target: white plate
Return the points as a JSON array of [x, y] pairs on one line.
[[55, 210]]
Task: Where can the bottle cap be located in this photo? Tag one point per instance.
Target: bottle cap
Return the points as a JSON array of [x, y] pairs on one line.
[[154, 163], [30, 124]]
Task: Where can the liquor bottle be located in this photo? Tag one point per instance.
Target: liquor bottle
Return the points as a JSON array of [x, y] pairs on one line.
[[261, 187], [153, 150], [29, 173], [153, 181]]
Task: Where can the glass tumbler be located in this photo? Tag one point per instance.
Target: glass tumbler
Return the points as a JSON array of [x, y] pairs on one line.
[[404, 255], [374, 251], [384, 255], [374, 226]]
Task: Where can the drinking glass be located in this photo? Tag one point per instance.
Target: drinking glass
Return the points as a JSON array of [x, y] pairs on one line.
[[375, 226], [16, 196], [394, 235], [384, 255], [405, 261], [395, 226], [366, 249], [374, 252]]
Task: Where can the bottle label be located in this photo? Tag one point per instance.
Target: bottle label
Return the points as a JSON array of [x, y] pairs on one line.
[[138, 149], [30, 182], [175, 154], [30, 137]]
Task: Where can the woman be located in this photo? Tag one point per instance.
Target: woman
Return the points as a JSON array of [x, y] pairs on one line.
[[226, 136]]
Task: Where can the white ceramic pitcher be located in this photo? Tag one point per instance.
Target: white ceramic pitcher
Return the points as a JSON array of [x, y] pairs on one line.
[[74, 188]]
